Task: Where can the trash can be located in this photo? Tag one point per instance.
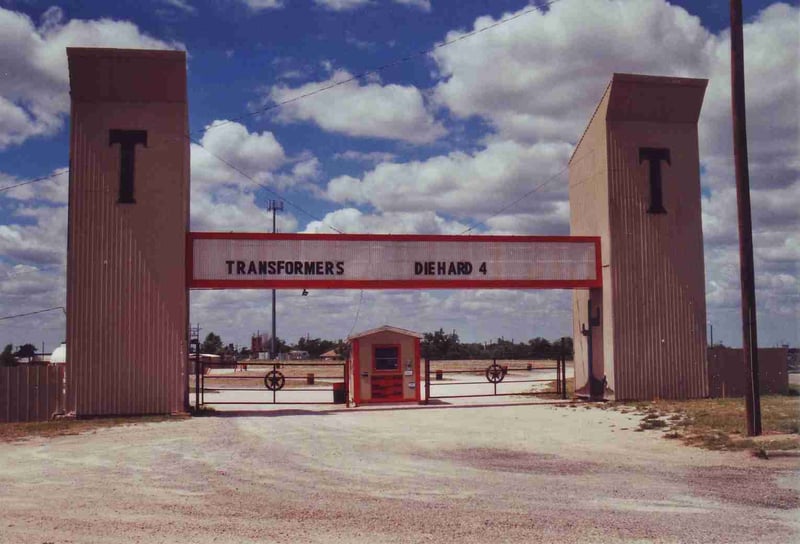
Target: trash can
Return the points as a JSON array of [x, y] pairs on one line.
[[339, 393]]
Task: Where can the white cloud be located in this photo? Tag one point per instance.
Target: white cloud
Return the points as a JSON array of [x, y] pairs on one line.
[[32, 287], [224, 199], [39, 238], [259, 5], [772, 72], [351, 220], [347, 5], [231, 210], [372, 157], [259, 155], [182, 5], [539, 76], [342, 5], [54, 190], [424, 5], [370, 110], [34, 94], [462, 184]]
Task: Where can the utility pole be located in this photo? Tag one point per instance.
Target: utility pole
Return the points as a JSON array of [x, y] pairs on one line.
[[274, 206], [746, 267]]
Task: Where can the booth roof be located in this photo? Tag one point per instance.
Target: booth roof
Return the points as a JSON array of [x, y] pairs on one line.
[[385, 328]]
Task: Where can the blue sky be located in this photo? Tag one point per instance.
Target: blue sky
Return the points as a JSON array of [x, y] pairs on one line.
[[460, 133]]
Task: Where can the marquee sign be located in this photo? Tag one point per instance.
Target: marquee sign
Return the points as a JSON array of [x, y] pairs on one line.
[[376, 261]]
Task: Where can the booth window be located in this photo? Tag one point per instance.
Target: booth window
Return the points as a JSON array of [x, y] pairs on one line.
[[387, 358]]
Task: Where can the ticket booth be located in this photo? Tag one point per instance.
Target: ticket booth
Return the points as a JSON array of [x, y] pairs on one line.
[[384, 363]]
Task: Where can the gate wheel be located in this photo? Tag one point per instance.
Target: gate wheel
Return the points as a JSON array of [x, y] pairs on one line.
[[274, 380], [495, 373]]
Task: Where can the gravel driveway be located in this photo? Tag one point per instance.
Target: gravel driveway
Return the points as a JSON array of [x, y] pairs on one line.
[[515, 473]]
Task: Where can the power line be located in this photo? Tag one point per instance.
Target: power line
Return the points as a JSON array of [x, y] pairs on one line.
[[43, 178], [517, 200], [395, 62], [32, 270], [34, 313], [377, 69], [358, 312], [268, 189]]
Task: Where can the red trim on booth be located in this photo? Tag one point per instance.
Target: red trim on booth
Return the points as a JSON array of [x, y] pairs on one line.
[[397, 372], [399, 369], [356, 374]]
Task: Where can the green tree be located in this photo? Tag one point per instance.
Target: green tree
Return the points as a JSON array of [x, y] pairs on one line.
[[212, 344], [26, 351], [439, 345], [7, 357]]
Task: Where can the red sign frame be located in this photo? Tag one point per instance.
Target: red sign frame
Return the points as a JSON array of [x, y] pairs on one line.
[[389, 284]]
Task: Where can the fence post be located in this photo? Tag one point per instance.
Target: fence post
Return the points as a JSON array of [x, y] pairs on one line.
[[563, 370], [197, 370], [427, 379], [558, 374], [346, 367]]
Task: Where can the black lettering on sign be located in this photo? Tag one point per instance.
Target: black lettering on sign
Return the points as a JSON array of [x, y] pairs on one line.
[[482, 269], [127, 140], [298, 268], [654, 156]]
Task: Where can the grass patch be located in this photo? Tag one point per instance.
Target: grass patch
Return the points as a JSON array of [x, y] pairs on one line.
[[14, 432], [720, 423]]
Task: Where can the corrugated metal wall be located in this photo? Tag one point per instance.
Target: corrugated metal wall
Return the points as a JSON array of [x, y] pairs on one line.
[[588, 190], [658, 280], [653, 315], [31, 393], [126, 290], [726, 371]]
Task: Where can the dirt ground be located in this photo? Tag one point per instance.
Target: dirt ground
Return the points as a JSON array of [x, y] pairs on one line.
[[467, 474]]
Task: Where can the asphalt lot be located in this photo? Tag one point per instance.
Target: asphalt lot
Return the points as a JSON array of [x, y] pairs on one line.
[[514, 473]]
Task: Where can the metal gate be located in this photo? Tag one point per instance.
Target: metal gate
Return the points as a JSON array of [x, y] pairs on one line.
[[275, 382], [497, 377]]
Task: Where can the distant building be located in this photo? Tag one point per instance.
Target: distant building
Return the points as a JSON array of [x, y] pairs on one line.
[[297, 354], [59, 355], [331, 356]]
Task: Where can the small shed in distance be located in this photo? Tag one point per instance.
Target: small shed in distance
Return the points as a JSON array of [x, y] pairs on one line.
[[331, 356], [384, 366]]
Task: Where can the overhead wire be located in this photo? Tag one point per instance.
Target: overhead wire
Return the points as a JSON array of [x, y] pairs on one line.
[[34, 313], [266, 188], [516, 201], [360, 75], [42, 178], [358, 313], [397, 61]]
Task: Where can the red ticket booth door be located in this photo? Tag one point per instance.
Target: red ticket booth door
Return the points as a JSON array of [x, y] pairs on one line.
[[387, 373]]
